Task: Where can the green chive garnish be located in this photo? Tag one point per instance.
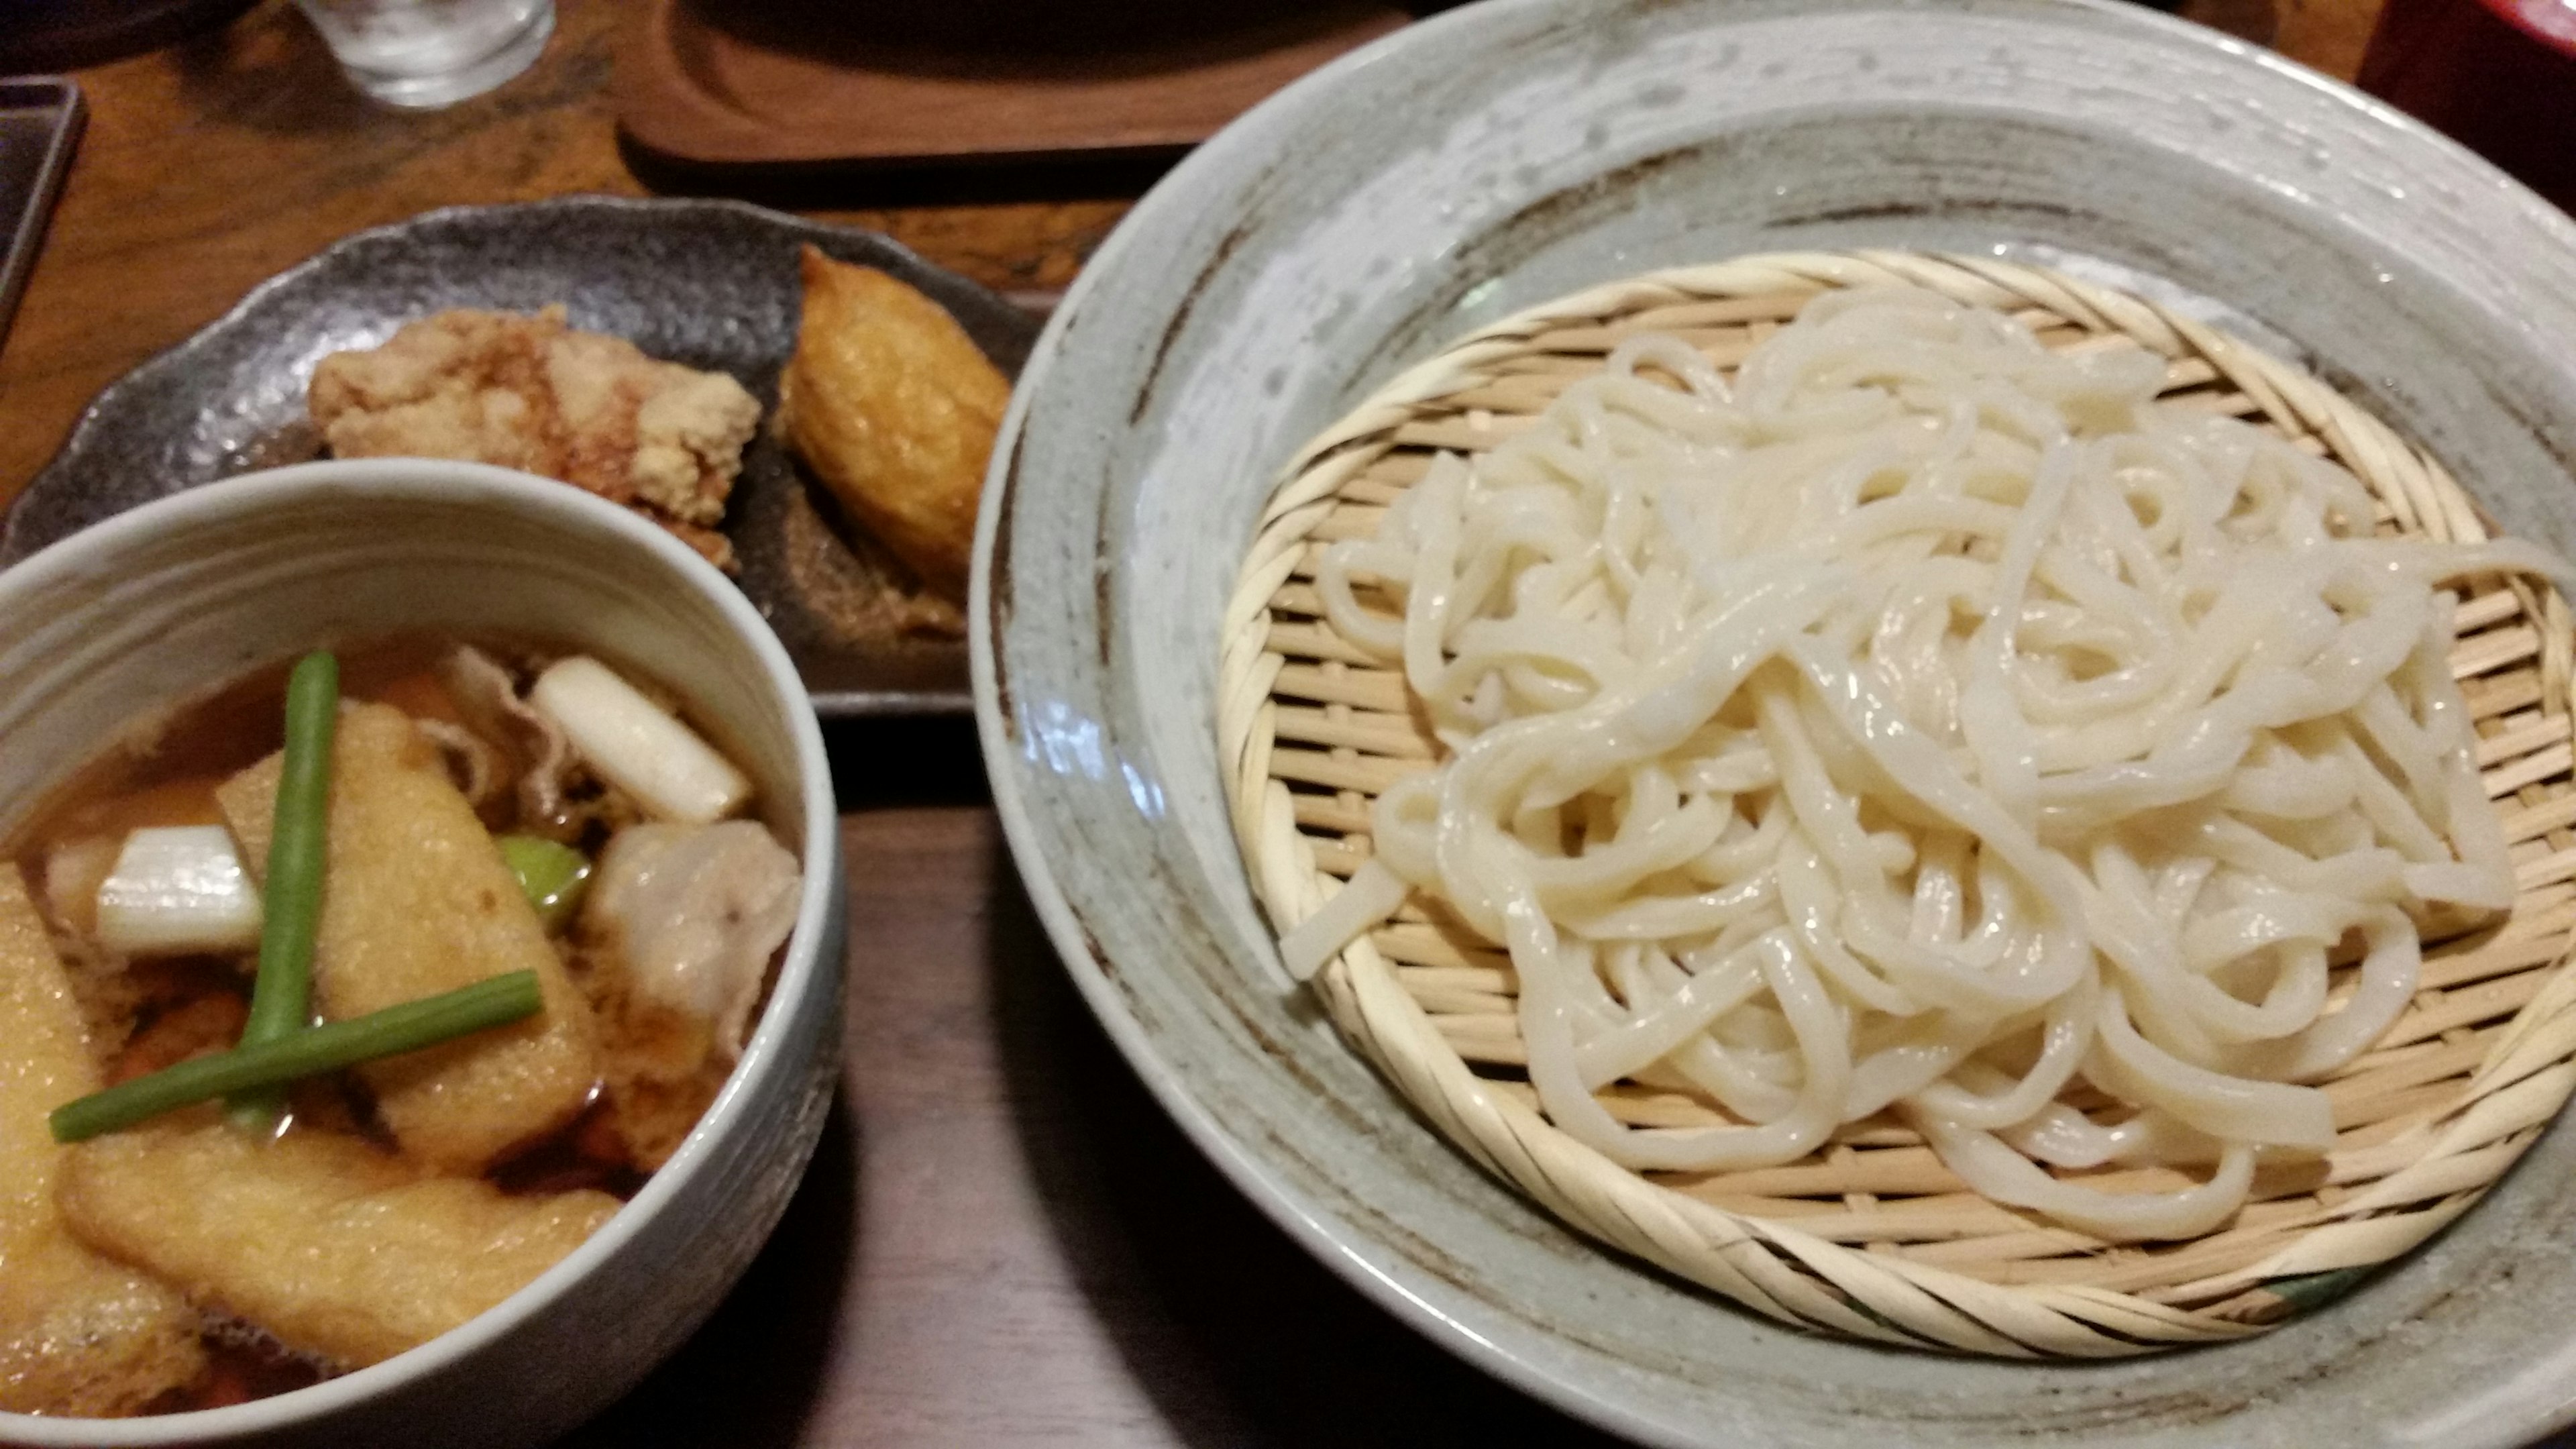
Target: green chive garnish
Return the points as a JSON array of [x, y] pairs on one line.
[[281, 999], [551, 875], [269, 1065]]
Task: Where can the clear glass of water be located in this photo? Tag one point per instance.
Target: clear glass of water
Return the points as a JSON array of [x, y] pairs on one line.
[[428, 53]]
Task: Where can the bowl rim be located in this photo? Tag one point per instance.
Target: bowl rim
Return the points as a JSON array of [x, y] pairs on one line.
[[1324, 1238], [763, 1056], [1342, 1249]]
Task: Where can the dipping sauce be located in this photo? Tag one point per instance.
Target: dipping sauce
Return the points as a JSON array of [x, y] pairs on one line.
[[490, 810]]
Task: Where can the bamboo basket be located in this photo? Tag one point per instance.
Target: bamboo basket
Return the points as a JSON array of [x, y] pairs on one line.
[[1873, 1237]]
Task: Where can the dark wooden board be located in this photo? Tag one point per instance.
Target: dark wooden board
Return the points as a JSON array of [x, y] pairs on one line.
[[912, 81]]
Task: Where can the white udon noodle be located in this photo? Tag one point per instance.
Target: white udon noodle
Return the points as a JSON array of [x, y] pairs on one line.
[[1926, 724]]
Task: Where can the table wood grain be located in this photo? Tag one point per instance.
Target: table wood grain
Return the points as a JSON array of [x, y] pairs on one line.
[[214, 164], [1002, 1240]]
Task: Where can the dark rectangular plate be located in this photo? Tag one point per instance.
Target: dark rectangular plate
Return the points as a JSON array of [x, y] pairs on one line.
[[40, 124]]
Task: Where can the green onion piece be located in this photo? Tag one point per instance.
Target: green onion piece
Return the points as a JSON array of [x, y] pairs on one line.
[[552, 875], [281, 999], [269, 1065]]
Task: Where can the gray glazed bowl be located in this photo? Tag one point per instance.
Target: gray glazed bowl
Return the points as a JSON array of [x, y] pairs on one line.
[[1518, 149], [184, 593]]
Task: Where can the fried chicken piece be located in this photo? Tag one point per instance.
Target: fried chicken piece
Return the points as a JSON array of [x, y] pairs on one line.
[[531, 393], [895, 408]]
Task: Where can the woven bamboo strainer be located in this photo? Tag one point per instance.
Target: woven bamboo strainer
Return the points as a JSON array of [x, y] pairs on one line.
[[1872, 1236]]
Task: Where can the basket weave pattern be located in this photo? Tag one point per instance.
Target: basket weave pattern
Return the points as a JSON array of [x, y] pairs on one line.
[[1872, 1236]]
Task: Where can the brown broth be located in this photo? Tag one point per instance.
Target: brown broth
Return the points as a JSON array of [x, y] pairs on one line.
[[590, 1153], [241, 1365], [189, 1006], [166, 772]]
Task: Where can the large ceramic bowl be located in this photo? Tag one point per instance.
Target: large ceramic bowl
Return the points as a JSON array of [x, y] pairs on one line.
[[1515, 150], [184, 593]]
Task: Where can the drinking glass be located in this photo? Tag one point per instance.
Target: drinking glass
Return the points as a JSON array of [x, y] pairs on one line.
[[428, 53]]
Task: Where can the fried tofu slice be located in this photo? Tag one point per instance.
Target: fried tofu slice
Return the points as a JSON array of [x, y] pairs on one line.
[[531, 393], [416, 901], [79, 1334], [895, 409], [664, 1066], [335, 1249]]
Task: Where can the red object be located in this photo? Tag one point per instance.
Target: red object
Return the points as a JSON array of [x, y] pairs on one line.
[[2499, 76]]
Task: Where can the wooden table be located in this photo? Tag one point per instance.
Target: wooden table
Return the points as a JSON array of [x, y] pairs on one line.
[[1002, 1241]]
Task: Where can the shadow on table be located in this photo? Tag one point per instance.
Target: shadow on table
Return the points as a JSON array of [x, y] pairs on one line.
[[1239, 1336], [835, 185], [750, 1374], [905, 760]]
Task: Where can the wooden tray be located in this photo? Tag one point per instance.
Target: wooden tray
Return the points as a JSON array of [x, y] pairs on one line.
[[908, 81]]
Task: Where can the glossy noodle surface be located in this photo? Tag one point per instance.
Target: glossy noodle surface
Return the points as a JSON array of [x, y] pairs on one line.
[[1927, 724]]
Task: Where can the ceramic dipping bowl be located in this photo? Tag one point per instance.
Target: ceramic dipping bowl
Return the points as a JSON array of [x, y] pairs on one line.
[[183, 594]]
